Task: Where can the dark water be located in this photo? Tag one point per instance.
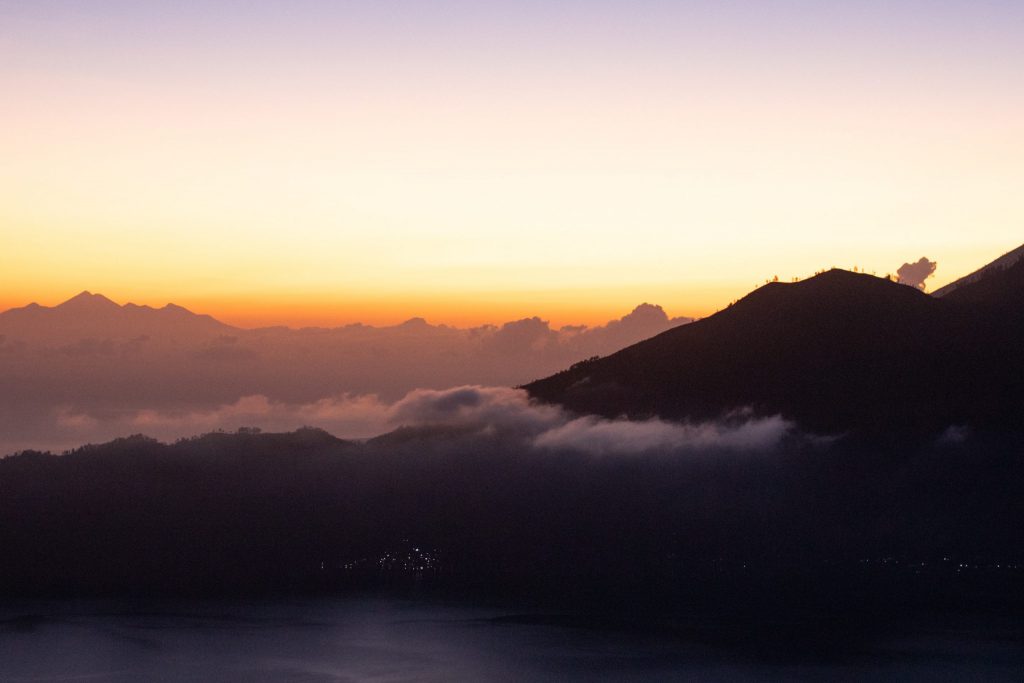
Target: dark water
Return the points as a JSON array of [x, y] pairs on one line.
[[375, 639]]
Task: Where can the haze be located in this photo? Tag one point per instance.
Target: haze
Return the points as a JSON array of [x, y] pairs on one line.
[[91, 370]]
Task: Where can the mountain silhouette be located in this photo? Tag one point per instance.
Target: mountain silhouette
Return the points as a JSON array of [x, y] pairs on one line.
[[89, 315], [996, 288], [807, 525], [803, 527], [836, 353], [87, 302], [1004, 262]]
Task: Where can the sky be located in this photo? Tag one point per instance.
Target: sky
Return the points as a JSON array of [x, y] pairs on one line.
[[314, 162]]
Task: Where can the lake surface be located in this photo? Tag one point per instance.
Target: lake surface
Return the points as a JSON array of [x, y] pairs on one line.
[[384, 639]]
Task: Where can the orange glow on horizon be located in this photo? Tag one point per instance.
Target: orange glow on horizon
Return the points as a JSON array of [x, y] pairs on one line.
[[559, 309], [465, 308], [334, 165]]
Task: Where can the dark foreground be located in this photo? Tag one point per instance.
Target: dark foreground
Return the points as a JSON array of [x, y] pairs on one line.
[[231, 514], [455, 554], [375, 638]]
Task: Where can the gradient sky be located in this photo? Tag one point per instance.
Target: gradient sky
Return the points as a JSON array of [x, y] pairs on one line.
[[326, 162]]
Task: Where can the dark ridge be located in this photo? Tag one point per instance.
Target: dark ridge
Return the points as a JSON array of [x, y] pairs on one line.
[[1002, 263], [246, 513], [998, 288], [837, 353]]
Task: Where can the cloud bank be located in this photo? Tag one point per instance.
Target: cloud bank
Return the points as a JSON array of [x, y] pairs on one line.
[[497, 413], [92, 364]]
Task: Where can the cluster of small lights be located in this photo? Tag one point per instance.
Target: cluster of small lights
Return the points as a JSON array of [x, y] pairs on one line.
[[415, 560], [946, 561]]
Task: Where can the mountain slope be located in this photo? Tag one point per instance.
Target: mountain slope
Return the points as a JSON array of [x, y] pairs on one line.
[[1004, 262], [999, 290], [838, 352], [244, 512]]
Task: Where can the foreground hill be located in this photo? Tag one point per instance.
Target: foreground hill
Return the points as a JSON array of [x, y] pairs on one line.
[[998, 287], [1004, 262], [838, 352], [831, 526]]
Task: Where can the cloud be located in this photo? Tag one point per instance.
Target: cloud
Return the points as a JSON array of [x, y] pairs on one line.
[[914, 274], [954, 434], [599, 436], [353, 416], [529, 335], [140, 365], [511, 412], [501, 414], [72, 420], [482, 408]]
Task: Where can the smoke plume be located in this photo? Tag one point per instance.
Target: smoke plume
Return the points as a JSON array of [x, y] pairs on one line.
[[914, 274]]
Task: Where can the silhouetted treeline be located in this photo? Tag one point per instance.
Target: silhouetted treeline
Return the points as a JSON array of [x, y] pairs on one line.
[[237, 513]]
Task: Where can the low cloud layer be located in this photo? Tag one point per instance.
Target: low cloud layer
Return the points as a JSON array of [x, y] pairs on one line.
[[497, 413], [91, 369], [914, 274], [600, 436]]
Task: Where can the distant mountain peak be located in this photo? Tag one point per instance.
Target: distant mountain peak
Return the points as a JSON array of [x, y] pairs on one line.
[[93, 315], [88, 300]]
